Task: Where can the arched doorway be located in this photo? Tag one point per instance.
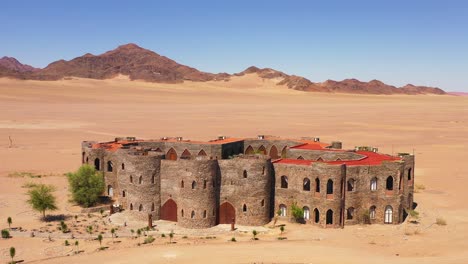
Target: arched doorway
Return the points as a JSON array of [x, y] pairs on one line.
[[306, 213], [329, 217], [171, 154], [169, 211], [226, 213], [388, 215], [274, 152], [283, 210], [316, 216], [110, 191]]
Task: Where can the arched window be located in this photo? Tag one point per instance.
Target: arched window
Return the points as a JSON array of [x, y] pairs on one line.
[[192, 215], [152, 207], [262, 150], [329, 220], [182, 184], [110, 166], [300, 158], [388, 215], [282, 209], [204, 184], [245, 174], [373, 184], [284, 182], [83, 157], [320, 159], [186, 154], [131, 206], [316, 216], [140, 208], [97, 164], [350, 213], [123, 193], [202, 153], [306, 185], [263, 170], [389, 183], [204, 214], [123, 166], [351, 185], [131, 179], [87, 159], [274, 152], [372, 212], [194, 185], [284, 152], [152, 179], [317, 185], [182, 212], [329, 186], [263, 202], [140, 180], [171, 154], [244, 208], [249, 150], [409, 174], [306, 213]]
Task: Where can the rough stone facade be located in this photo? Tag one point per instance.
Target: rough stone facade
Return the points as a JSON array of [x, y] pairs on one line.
[[249, 181]]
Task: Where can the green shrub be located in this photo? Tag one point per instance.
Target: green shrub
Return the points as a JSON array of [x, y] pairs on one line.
[[149, 240], [233, 239], [67, 243], [297, 213], [5, 234]]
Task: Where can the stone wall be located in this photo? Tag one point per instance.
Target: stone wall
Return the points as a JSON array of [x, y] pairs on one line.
[[246, 183], [325, 155]]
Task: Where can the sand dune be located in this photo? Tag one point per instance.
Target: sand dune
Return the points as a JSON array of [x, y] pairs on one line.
[[48, 120]]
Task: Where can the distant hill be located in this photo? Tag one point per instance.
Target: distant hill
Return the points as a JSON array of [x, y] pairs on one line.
[[142, 64], [11, 67]]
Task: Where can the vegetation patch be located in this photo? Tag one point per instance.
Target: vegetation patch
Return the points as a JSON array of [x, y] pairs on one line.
[[86, 185], [441, 222]]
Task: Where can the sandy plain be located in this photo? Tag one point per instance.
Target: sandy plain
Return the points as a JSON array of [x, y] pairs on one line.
[[48, 120]]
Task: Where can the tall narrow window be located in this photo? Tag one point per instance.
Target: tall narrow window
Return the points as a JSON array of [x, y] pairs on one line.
[[194, 185], [372, 212], [351, 185], [140, 180], [244, 208], [409, 174], [192, 215], [373, 184], [110, 166], [245, 174], [97, 164], [330, 187], [182, 184], [306, 185], [389, 184], [317, 185], [204, 184], [284, 182]]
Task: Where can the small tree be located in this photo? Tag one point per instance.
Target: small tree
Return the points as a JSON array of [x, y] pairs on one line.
[[86, 185], [255, 233], [281, 229], [89, 229], [171, 235], [12, 254], [113, 234], [139, 235], [76, 245], [9, 222], [297, 213], [42, 199], [99, 238], [5, 233]]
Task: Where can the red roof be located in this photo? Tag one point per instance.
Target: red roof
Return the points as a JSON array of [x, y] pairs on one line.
[[371, 158], [311, 146]]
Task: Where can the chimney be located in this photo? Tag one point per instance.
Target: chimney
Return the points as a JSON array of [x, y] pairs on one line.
[[179, 138], [221, 137], [316, 139], [375, 150], [261, 137]]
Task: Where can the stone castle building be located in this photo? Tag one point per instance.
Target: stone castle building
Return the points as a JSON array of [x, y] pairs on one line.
[[249, 181]]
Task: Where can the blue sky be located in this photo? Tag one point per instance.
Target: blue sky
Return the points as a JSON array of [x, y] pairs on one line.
[[398, 42]]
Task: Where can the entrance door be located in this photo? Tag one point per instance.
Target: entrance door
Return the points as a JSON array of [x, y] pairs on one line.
[[388, 215], [169, 211], [227, 213], [110, 191]]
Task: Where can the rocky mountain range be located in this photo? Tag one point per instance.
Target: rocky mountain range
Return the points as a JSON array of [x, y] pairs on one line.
[[142, 64]]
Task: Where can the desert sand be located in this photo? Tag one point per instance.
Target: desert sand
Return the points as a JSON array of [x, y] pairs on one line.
[[48, 120]]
